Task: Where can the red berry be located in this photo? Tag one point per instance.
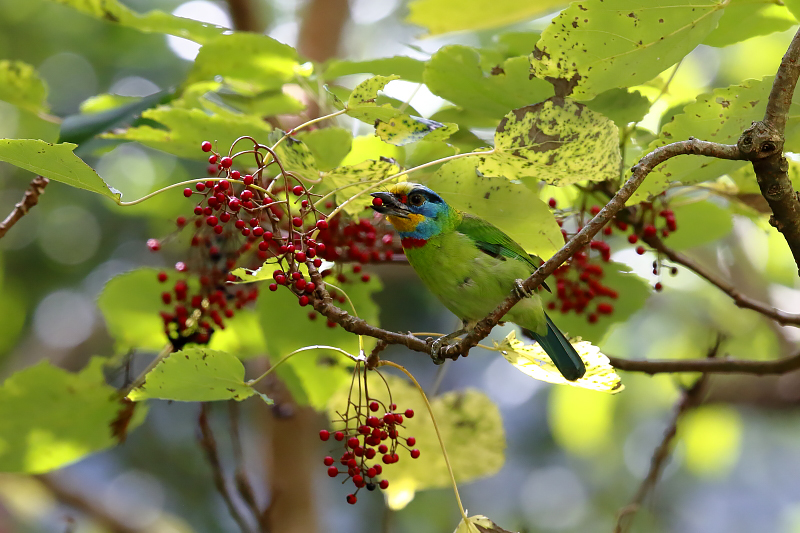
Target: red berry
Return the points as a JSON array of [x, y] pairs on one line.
[[640, 250], [338, 435], [352, 442], [226, 162], [374, 406], [411, 441], [377, 202], [166, 297], [273, 287], [298, 190], [414, 453], [300, 256], [153, 244], [187, 192], [246, 195], [633, 238], [605, 308], [658, 287], [297, 222], [321, 224], [351, 499], [162, 277], [333, 471], [205, 146], [212, 220], [409, 413], [592, 318], [551, 202], [384, 484], [324, 434], [650, 231], [235, 174], [248, 179], [212, 159], [365, 278]]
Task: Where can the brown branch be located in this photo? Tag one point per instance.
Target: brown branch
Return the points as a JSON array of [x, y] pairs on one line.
[[209, 445], [745, 302], [30, 199], [762, 144], [243, 485], [245, 16], [690, 398], [716, 366]]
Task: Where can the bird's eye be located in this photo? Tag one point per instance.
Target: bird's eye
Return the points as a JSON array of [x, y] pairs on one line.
[[416, 199]]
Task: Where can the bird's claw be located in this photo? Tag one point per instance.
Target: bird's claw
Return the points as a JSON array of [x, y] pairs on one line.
[[435, 355], [519, 288]]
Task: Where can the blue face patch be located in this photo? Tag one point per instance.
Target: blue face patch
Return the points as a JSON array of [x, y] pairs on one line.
[[423, 201]]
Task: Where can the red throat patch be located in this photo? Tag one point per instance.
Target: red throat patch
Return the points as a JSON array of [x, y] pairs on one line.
[[411, 242]]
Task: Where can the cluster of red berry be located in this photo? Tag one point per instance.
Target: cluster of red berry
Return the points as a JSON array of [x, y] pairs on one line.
[[578, 281], [366, 438]]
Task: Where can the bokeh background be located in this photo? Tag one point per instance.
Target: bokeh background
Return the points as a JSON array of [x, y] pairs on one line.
[[573, 457]]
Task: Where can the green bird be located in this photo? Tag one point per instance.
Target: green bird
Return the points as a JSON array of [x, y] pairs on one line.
[[471, 266]]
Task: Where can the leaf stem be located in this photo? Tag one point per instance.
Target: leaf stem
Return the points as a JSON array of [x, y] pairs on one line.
[[436, 427], [303, 349]]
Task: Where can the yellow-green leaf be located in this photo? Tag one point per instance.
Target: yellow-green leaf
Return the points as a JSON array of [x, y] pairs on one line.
[[406, 67], [515, 209], [598, 45], [442, 16], [354, 178], [532, 360], [50, 417], [56, 162], [558, 141], [403, 129], [195, 375], [22, 87], [479, 524]]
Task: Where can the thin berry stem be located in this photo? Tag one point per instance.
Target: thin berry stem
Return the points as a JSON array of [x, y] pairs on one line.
[[307, 124], [176, 185], [303, 349], [436, 427]]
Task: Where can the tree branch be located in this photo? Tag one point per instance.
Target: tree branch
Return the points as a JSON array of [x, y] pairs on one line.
[[30, 199], [710, 366], [762, 144], [745, 302]]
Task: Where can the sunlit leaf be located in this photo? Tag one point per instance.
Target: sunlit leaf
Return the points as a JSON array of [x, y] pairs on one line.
[[355, 178], [479, 524], [242, 336], [632, 293], [56, 162], [150, 22], [362, 105], [329, 146], [295, 156], [313, 376], [597, 45], [195, 375], [260, 60], [442, 16], [512, 207], [22, 87], [470, 425], [50, 417], [558, 141], [720, 116], [531, 359], [406, 67], [455, 73], [185, 129], [744, 19]]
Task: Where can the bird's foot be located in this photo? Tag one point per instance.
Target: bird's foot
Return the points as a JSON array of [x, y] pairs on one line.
[[519, 288], [443, 342]]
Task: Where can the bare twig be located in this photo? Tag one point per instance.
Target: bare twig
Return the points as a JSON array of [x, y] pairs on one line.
[[690, 398], [30, 199], [762, 144], [209, 445], [781, 317], [715, 366]]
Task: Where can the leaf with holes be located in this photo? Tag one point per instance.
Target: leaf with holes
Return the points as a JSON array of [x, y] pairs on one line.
[[56, 162], [531, 359], [597, 45], [558, 141], [195, 375]]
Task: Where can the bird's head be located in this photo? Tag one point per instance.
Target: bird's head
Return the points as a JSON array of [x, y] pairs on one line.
[[414, 210]]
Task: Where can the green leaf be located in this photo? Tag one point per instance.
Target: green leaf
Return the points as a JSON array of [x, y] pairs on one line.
[[699, 223], [22, 87], [403, 66], [744, 19], [195, 375], [512, 207], [632, 292], [531, 359], [362, 101], [242, 336], [329, 146], [56, 162], [720, 116], [50, 417], [313, 376], [455, 73], [621, 106], [597, 45], [257, 59], [295, 156], [150, 22], [80, 128], [405, 129], [558, 141], [130, 304], [442, 16], [355, 178], [185, 129], [470, 425]]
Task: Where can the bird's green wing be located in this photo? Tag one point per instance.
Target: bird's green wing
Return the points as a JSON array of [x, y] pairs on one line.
[[493, 241]]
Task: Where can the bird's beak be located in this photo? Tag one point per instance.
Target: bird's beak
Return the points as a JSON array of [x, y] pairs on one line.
[[391, 206]]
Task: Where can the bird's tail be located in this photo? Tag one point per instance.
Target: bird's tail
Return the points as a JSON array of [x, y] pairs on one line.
[[564, 356]]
